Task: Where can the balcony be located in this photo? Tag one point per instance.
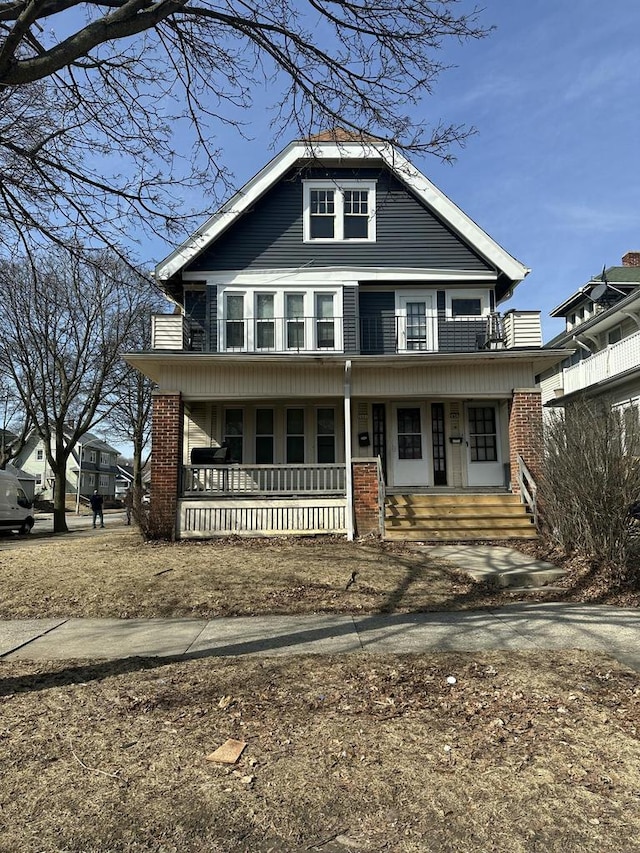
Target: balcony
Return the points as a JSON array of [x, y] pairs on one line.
[[383, 333], [615, 360]]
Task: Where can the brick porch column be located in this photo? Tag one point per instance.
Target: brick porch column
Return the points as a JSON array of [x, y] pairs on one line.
[[166, 462], [525, 432], [366, 497]]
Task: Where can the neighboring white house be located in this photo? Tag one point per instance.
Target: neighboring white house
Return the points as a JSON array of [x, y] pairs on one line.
[[94, 459], [602, 336]]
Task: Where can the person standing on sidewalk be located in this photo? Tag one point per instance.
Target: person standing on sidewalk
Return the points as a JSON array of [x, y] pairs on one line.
[[97, 502], [128, 504]]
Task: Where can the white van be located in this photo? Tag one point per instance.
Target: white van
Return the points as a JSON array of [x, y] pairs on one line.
[[16, 510]]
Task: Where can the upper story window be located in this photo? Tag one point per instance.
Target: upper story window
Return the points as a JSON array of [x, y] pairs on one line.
[[104, 458], [254, 320], [335, 212], [39, 455], [614, 335], [466, 304]]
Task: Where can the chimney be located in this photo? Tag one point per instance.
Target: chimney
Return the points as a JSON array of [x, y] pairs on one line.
[[631, 259]]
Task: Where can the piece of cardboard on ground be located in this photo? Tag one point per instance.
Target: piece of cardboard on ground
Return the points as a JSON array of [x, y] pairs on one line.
[[229, 752]]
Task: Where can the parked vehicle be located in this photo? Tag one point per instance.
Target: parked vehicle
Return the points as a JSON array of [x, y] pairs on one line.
[[16, 510]]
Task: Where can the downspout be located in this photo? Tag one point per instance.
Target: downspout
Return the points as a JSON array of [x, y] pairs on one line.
[[347, 449]]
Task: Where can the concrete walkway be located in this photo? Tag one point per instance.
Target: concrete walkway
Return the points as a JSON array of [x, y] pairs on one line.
[[611, 630]]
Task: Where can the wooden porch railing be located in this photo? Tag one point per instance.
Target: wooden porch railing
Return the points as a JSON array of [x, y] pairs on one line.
[[528, 489], [256, 480]]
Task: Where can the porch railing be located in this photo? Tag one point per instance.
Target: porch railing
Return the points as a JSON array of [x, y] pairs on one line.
[[528, 489], [256, 480], [383, 333]]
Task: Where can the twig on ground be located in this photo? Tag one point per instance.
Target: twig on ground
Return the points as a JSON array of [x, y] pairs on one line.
[[351, 580], [115, 775]]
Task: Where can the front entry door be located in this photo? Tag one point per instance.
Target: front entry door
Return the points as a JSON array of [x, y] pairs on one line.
[[410, 466], [484, 462]]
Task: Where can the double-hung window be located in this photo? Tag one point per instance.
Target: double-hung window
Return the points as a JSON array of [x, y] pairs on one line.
[[265, 321], [234, 320], [339, 212], [295, 320], [325, 324]]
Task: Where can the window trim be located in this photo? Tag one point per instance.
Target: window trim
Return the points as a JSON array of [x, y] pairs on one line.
[[475, 293], [339, 186]]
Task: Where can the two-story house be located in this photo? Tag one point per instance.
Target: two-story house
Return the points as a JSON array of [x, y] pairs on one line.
[[602, 330], [92, 465], [336, 335]]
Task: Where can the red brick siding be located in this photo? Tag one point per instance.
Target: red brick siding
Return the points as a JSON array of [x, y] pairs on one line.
[[366, 497], [525, 432], [166, 463]]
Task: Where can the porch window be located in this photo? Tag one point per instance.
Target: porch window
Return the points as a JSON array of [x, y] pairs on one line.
[[325, 328], [234, 325], [265, 322], [264, 436], [326, 435], [233, 433], [295, 436], [295, 321], [483, 443]]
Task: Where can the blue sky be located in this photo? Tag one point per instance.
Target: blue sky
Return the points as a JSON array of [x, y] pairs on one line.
[[553, 172]]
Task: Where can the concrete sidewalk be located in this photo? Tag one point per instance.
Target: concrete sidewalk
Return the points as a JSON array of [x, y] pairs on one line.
[[610, 630]]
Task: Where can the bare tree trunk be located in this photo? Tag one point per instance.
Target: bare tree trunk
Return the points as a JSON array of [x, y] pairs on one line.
[[59, 499]]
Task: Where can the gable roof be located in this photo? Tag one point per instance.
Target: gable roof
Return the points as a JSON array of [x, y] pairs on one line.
[[345, 150], [627, 278]]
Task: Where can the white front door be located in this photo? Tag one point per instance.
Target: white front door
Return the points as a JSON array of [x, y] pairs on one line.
[[410, 455], [484, 460]]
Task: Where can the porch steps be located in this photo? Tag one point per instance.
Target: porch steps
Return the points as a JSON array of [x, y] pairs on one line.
[[453, 518]]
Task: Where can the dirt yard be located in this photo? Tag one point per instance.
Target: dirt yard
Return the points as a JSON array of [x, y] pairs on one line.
[[522, 752], [113, 573]]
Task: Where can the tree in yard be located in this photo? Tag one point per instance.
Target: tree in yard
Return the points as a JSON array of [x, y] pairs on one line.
[[591, 477], [98, 96], [63, 327]]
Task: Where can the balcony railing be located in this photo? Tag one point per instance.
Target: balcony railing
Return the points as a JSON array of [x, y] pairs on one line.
[[616, 359], [384, 333], [267, 480]]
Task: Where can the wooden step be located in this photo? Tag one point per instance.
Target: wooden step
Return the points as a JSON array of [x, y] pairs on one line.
[[450, 517]]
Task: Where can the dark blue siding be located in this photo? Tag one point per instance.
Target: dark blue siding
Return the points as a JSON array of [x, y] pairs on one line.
[[269, 235], [377, 322], [350, 319]]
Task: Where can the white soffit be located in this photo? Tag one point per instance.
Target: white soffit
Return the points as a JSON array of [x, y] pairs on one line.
[[343, 151]]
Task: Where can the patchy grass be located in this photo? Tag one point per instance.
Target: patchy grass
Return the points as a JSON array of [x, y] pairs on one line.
[[113, 573], [524, 752]]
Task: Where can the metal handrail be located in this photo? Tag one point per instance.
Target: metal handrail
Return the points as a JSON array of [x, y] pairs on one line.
[[528, 489]]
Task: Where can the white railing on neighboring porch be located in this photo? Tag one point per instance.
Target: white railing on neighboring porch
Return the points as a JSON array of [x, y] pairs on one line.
[[614, 360], [239, 480]]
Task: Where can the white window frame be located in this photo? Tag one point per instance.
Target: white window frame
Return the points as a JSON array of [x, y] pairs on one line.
[[39, 454], [104, 459], [339, 188], [430, 298], [309, 295], [104, 481], [93, 456], [482, 295]]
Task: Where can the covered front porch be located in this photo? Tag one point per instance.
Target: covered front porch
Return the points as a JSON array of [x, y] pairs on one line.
[[315, 448]]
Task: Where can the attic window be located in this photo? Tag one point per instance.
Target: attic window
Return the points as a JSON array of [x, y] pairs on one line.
[[336, 212]]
